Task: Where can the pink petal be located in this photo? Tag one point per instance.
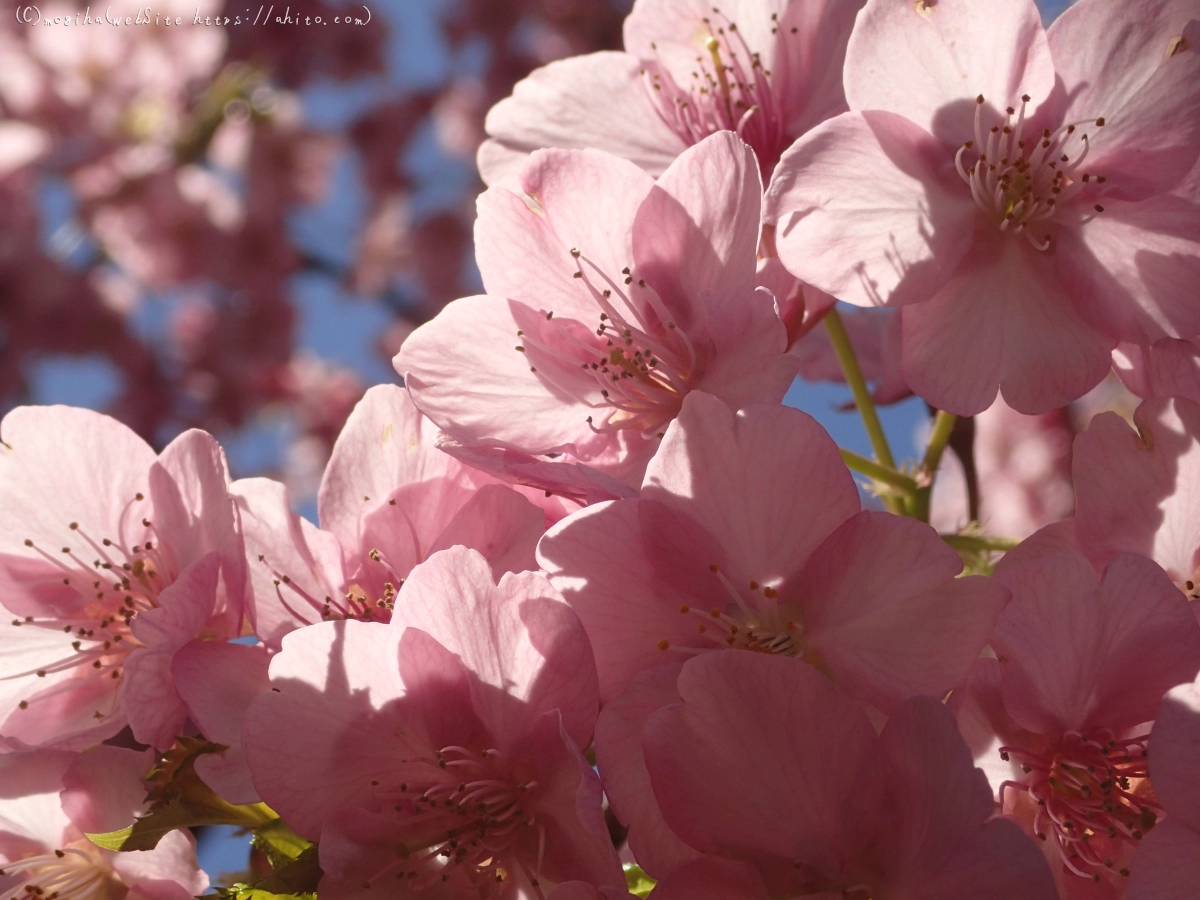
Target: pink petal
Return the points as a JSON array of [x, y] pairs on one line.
[[184, 607], [314, 744], [997, 863], [568, 805], [598, 100], [66, 719], [1134, 268], [571, 199], [1166, 368], [168, 872], [696, 234], [280, 544], [764, 759], [518, 638], [193, 512], [155, 710], [928, 61], [892, 238], [627, 782], [70, 712], [356, 844], [885, 613], [1003, 322], [939, 847], [719, 879], [1047, 541], [740, 476], [1174, 743], [218, 682], [384, 444], [60, 465], [597, 558], [103, 790], [1116, 61], [566, 479], [983, 722], [807, 70], [748, 364], [1079, 652], [1140, 491], [483, 390], [32, 819], [499, 523], [1167, 863], [581, 890]]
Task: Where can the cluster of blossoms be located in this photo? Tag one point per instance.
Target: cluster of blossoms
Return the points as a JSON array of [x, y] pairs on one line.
[[590, 613]]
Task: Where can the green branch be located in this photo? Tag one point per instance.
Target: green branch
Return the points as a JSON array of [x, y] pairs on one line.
[[906, 484], [978, 543], [943, 427], [858, 386]]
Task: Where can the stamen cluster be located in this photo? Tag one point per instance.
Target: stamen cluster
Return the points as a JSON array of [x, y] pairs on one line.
[[1022, 179], [1088, 788]]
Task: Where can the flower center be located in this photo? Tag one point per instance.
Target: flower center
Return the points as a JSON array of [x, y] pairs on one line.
[[637, 359], [119, 582], [1025, 180], [1086, 789], [68, 874], [462, 815], [730, 91], [750, 621]]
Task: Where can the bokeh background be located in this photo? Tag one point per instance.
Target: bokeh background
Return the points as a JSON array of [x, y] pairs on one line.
[[235, 227]]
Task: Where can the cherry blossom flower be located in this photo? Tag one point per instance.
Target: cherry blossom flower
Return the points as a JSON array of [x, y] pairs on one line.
[[1168, 862], [749, 533], [52, 798], [442, 748], [780, 779], [610, 298], [1015, 179], [388, 500], [767, 70], [111, 560], [1139, 490], [1083, 661]]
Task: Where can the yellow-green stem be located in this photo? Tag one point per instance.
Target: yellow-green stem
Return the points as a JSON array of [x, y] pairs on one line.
[[943, 426], [904, 483], [858, 386], [978, 543]]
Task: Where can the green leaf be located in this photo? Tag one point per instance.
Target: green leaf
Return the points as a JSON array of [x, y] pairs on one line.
[[280, 844], [298, 876], [640, 884], [179, 799], [247, 892]]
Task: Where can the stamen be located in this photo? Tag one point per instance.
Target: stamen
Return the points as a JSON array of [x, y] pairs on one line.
[[1022, 182]]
